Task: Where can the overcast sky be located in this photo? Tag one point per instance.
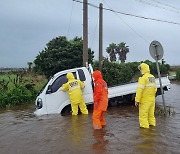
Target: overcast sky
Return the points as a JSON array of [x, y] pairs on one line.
[[27, 25]]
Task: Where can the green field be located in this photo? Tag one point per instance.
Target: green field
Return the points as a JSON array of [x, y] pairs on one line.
[[19, 89]]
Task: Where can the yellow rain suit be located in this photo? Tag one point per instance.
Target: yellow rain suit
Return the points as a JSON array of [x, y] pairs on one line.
[[145, 97], [73, 87]]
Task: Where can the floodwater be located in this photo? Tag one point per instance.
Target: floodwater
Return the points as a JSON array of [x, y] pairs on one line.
[[23, 133]]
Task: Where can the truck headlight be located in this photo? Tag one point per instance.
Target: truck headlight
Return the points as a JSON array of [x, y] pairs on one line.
[[39, 104]]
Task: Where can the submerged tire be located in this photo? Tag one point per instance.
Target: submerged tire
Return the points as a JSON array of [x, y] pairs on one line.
[[66, 110]]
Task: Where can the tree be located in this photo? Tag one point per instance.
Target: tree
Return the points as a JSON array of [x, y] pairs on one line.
[[111, 50], [30, 66], [61, 54], [121, 49]]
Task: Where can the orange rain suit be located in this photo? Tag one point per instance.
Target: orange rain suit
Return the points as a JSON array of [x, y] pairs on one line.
[[73, 87], [100, 100], [145, 97]]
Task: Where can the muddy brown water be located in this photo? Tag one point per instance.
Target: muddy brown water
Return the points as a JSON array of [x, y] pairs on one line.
[[23, 133]]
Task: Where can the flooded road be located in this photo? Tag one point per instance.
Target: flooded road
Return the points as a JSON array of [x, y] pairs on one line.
[[23, 133]]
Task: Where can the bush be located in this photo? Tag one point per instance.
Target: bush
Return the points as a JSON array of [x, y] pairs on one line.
[[134, 68], [16, 96], [22, 91], [114, 73], [164, 68], [178, 75]]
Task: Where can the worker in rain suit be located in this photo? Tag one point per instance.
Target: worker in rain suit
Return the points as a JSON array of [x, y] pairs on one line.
[[100, 100], [73, 87], [145, 97]]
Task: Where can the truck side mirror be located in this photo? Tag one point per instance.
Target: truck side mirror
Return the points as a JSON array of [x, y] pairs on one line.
[[49, 90]]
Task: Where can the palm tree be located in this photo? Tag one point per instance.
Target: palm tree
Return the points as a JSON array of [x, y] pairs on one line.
[[111, 50], [30, 66], [122, 50]]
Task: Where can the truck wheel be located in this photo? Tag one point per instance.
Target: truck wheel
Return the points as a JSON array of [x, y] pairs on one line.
[[128, 99], [66, 110]]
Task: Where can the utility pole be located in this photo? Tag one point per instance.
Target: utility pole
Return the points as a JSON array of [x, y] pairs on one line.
[[100, 35], [85, 32]]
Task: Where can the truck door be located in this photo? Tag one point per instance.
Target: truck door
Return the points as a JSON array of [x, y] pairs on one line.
[[87, 90], [54, 97]]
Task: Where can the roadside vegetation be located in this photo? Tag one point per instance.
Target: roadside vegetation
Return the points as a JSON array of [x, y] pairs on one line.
[[21, 87], [120, 73], [178, 74], [174, 73], [159, 110]]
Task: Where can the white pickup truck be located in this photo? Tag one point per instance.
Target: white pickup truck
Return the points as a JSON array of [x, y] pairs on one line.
[[53, 101]]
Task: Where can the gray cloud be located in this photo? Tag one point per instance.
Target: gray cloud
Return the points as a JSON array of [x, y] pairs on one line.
[[26, 27]]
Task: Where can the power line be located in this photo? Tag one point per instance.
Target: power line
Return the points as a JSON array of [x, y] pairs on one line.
[[70, 19], [94, 33], [166, 5], [155, 5], [128, 14], [128, 25]]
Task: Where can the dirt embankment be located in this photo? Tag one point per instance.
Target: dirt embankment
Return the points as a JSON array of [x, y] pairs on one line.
[[175, 82], [174, 68]]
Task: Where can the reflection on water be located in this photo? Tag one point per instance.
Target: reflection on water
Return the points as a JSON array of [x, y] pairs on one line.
[[148, 139], [22, 132], [100, 142], [78, 130]]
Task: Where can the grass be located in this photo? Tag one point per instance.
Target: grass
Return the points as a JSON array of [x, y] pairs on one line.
[[169, 110], [37, 80], [19, 89], [172, 73], [6, 77]]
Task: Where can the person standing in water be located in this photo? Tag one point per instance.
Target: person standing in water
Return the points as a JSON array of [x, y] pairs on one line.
[[73, 87], [145, 97], [100, 100]]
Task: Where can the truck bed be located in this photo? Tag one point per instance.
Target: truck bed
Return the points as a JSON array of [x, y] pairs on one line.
[[130, 88]]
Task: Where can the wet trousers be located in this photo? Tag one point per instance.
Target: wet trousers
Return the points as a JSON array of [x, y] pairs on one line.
[[98, 119], [146, 114], [82, 107]]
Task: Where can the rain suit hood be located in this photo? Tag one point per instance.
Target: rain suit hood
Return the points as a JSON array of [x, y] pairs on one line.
[[97, 75], [144, 68], [70, 76]]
